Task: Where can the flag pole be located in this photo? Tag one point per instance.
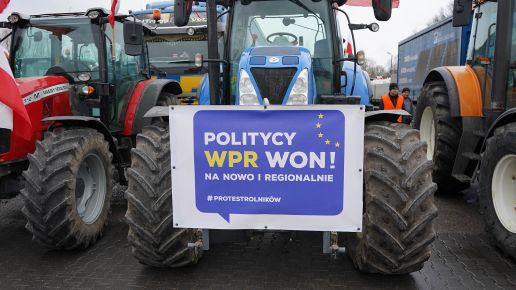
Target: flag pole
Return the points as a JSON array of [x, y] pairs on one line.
[[113, 43], [112, 19]]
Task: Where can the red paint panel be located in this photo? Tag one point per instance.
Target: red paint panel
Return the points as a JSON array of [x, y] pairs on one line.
[[29, 85], [131, 108], [57, 104]]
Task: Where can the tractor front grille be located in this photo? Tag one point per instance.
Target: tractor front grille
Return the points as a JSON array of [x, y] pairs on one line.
[[273, 83]]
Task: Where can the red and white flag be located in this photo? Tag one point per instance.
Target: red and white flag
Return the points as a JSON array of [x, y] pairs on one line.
[[369, 3], [349, 49], [3, 5], [13, 115], [115, 5]]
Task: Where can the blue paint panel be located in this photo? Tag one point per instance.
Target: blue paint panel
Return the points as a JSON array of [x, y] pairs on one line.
[[290, 60], [295, 198], [276, 51], [258, 60], [466, 34], [361, 85]]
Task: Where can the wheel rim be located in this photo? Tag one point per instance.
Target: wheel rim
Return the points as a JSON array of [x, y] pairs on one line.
[[503, 190], [427, 131], [90, 188]]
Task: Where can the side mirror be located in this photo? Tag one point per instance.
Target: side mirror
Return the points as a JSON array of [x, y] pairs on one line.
[[38, 36], [182, 11], [374, 27], [382, 9], [133, 38], [462, 12]]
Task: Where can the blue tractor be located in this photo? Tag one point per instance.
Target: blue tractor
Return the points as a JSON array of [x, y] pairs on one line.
[[289, 52]]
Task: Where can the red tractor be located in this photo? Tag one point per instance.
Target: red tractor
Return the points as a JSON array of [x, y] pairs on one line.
[[82, 85]]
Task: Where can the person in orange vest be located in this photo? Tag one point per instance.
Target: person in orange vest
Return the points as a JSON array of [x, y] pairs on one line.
[[393, 100]]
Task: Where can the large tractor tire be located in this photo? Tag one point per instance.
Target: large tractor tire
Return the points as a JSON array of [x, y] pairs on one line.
[[497, 195], [399, 207], [68, 186], [441, 132], [154, 240]]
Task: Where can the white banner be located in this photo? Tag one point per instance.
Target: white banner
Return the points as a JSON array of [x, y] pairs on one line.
[[283, 168]]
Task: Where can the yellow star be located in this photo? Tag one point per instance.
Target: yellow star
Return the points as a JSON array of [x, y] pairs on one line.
[[337, 145], [327, 142], [321, 116], [320, 135], [318, 125]]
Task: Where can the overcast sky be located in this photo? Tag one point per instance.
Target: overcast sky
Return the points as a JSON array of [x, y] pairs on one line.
[[410, 17]]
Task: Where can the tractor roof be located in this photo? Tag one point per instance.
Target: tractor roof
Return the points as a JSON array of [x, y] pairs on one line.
[[103, 12]]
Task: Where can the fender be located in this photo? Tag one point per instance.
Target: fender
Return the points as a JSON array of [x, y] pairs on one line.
[[464, 89], [139, 105], [385, 115], [507, 117], [93, 123], [373, 116]]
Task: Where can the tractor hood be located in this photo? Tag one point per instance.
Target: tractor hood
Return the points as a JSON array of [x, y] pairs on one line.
[[35, 88], [283, 75]]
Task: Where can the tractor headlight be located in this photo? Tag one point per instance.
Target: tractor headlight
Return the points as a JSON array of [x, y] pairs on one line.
[[93, 14], [87, 90], [246, 92], [299, 93]]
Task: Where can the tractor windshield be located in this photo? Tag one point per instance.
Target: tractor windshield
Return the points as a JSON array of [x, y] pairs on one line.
[[56, 46], [171, 47], [177, 50], [303, 23]]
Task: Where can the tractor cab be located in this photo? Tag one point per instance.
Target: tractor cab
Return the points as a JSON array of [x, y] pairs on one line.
[[492, 39], [81, 50], [288, 52]]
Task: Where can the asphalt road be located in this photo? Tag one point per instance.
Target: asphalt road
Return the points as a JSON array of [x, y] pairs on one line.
[[462, 258]]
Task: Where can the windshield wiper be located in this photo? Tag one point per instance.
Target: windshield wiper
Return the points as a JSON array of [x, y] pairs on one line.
[[171, 61], [305, 27]]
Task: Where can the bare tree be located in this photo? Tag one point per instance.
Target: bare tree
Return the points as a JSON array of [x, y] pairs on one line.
[[444, 12], [375, 70]]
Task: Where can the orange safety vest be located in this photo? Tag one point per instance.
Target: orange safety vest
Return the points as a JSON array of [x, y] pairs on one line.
[[388, 105]]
